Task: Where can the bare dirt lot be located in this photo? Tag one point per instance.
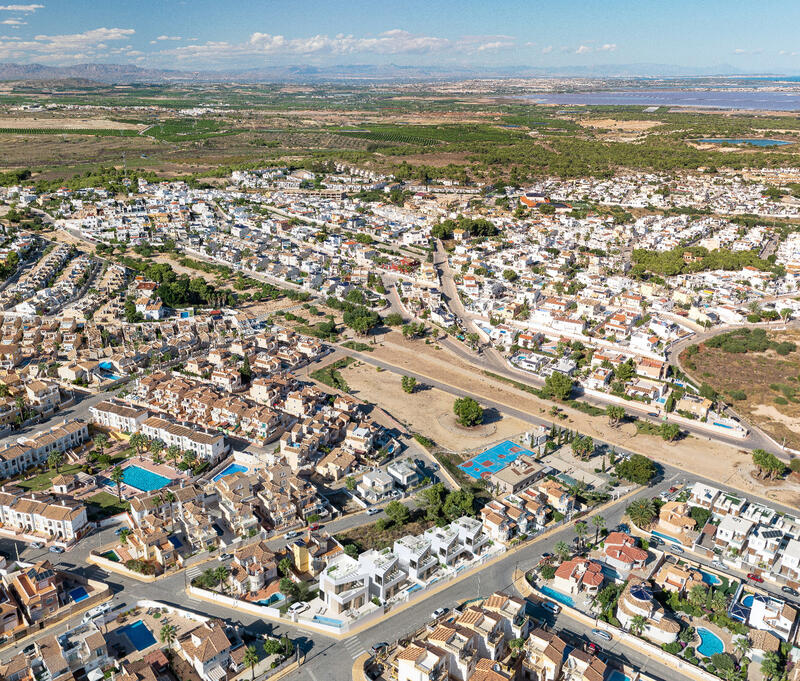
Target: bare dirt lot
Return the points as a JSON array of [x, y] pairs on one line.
[[695, 455], [623, 126], [73, 123]]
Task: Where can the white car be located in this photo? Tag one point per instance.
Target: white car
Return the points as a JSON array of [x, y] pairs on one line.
[[436, 614], [297, 608], [373, 511]]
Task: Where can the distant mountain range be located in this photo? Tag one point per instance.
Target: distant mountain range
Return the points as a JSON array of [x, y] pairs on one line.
[[127, 74]]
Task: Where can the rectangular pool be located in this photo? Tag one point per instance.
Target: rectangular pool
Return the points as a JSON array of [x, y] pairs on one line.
[[78, 594], [230, 470], [141, 479], [565, 599], [139, 635]]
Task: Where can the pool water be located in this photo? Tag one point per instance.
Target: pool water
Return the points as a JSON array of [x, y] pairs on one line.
[[711, 580], [327, 620], [617, 675], [753, 141], [275, 598], [665, 537], [141, 479], [710, 643], [747, 601], [230, 470], [557, 596], [78, 594], [139, 635]]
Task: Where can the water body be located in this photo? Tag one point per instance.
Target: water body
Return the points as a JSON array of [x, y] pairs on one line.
[[754, 100], [752, 141]]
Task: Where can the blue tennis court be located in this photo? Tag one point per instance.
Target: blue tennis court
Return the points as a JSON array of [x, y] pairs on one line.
[[493, 460], [78, 594]]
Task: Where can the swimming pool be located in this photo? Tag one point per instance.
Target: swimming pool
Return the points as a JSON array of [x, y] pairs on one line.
[[276, 597], [617, 675], [747, 601], [141, 479], [493, 459], [710, 643], [78, 594], [665, 537], [711, 580], [557, 596], [328, 621], [230, 470], [139, 635]]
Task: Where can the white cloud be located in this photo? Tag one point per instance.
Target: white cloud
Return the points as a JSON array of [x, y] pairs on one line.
[[547, 50], [787, 53], [169, 37], [583, 49], [89, 45], [20, 8], [740, 50], [608, 47], [13, 22]]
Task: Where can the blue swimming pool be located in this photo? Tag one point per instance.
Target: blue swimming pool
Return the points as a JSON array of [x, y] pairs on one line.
[[78, 594], [557, 596], [493, 459], [665, 537], [275, 598], [141, 479], [139, 635], [329, 621], [747, 601], [710, 643], [230, 470], [617, 675], [711, 580]]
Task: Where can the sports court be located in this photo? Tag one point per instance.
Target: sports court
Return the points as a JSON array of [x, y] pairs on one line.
[[493, 459]]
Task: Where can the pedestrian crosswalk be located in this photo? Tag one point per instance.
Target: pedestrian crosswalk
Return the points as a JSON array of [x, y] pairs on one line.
[[354, 647]]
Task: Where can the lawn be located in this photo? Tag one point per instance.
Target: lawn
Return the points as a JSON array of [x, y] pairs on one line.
[[44, 480], [104, 505]]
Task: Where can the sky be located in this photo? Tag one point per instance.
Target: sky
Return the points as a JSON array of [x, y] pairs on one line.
[[240, 34]]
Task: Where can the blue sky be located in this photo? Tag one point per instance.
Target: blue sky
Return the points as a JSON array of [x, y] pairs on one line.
[[227, 34]]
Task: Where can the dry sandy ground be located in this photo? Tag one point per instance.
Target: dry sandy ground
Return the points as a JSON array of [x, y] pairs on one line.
[[611, 124], [702, 457], [426, 411], [76, 123]]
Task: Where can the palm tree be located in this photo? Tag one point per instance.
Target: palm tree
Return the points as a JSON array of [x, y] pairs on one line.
[[173, 452], [100, 442], [55, 460], [718, 602], [641, 512], [168, 634], [156, 447], [638, 624], [580, 530], [220, 574], [698, 595], [599, 523], [771, 665], [169, 497], [117, 478], [562, 550], [742, 646], [251, 660]]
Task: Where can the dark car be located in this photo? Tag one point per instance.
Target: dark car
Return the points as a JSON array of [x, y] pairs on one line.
[[789, 590], [379, 647]]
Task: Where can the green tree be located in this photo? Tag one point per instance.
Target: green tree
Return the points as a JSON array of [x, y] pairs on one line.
[[516, 645], [769, 466], [156, 446], [285, 566], [669, 431], [250, 659], [638, 624], [625, 371], [615, 414], [100, 441], [170, 498], [117, 477], [350, 483], [468, 411], [599, 524], [245, 371], [636, 468], [409, 384], [559, 385], [220, 575], [168, 634], [562, 550], [742, 646], [583, 446], [393, 319], [55, 459], [398, 513], [771, 665], [458, 503], [432, 499], [581, 529], [641, 512], [547, 571], [173, 453], [351, 550]]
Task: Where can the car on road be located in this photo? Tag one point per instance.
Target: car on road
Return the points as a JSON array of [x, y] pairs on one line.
[[552, 607], [675, 549], [622, 527], [226, 556], [789, 590], [652, 414], [434, 466], [379, 647], [655, 541], [717, 564], [599, 633], [673, 489], [120, 530], [314, 526], [292, 534], [34, 545], [436, 614], [373, 511], [29, 649], [56, 549], [753, 577]]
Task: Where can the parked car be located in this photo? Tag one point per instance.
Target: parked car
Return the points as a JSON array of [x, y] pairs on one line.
[[789, 590], [753, 577], [56, 549], [676, 549], [552, 607], [120, 530], [655, 541], [591, 647], [379, 647], [29, 649], [297, 608], [34, 545], [292, 534], [226, 556], [373, 510], [314, 526], [436, 614], [599, 633], [673, 489]]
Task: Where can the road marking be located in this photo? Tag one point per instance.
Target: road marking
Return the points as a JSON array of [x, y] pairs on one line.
[[354, 647]]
